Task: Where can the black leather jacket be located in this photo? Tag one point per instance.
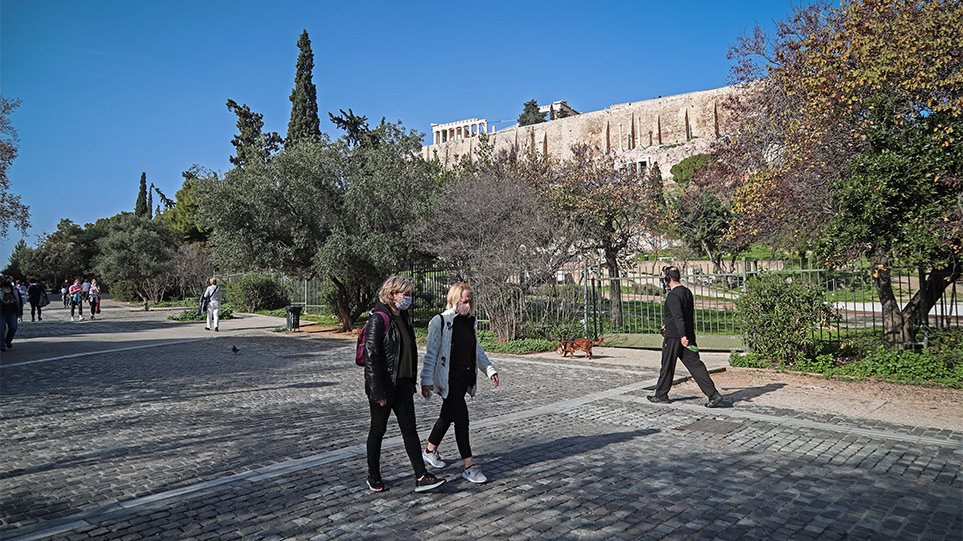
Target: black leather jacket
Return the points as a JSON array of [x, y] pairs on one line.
[[382, 354]]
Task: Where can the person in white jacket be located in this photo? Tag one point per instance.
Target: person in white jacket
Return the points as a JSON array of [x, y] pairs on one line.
[[452, 358], [213, 296]]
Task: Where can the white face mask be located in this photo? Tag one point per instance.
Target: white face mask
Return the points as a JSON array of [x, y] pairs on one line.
[[463, 308]]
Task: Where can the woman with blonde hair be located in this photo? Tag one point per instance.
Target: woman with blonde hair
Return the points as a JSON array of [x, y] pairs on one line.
[[451, 361], [390, 369]]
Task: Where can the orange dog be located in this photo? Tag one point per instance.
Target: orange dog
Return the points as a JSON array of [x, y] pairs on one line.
[[569, 346]]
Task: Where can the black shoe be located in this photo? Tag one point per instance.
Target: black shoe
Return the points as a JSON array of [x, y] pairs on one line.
[[656, 399], [715, 401], [427, 482], [376, 484], [207, 328]]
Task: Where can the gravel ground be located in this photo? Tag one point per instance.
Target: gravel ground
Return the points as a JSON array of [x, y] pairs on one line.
[[901, 404]]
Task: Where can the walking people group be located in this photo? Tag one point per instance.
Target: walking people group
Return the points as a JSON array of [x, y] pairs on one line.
[[11, 311], [391, 373]]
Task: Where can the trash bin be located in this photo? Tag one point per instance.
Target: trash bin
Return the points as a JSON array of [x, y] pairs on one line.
[[294, 317]]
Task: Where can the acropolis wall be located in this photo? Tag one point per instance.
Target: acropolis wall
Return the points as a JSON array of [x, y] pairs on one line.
[[663, 130]]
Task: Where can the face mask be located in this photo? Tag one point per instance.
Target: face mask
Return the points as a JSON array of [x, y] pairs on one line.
[[404, 303], [462, 308]]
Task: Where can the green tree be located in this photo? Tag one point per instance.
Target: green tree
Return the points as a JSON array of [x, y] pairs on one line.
[[684, 171], [20, 255], [266, 217], [141, 208], [304, 124], [63, 254], [137, 255], [183, 215], [150, 202], [252, 145], [843, 97], [12, 209], [530, 114]]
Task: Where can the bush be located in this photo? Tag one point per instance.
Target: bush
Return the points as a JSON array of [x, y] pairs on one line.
[[778, 316], [191, 314], [253, 292], [522, 346], [902, 366], [747, 360]]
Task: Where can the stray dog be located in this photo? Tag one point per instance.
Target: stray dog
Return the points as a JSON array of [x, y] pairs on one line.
[[569, 346]]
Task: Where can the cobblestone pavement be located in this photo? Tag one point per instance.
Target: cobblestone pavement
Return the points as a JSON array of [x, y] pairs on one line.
[[188, 440]]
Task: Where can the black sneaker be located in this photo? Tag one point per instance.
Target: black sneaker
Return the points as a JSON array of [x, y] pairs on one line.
[[376, 484], [427, 482], [656, 399], [715, 401]]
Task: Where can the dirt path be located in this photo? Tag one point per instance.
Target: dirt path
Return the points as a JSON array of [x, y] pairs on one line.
[[901, 404]]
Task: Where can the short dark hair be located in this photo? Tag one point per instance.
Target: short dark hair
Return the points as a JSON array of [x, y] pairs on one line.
[[673, 274]]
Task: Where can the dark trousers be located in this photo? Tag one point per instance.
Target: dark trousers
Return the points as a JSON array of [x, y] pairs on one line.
[[79, 306], [672, 351], [35, 310], [403, 404], [454, 410], [8, 327]]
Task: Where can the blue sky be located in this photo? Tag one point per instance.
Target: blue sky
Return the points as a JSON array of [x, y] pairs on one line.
[[113, 88]]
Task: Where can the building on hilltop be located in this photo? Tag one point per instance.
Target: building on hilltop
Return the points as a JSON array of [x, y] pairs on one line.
[[664, 130]]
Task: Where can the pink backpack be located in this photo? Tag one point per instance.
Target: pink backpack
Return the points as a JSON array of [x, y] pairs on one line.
[[359, 352]]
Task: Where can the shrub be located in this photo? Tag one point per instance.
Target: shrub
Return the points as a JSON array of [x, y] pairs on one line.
[[778, 316], [191, 314], [253, 292], [522, 346], [903, 366], [747, 360]]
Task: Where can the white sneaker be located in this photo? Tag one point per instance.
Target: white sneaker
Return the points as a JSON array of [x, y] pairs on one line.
[[433, 458], [474, 474], [81, 318], [72, 318]]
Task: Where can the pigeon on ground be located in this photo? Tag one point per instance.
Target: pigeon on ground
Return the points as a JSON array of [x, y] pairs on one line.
[[234, 349]]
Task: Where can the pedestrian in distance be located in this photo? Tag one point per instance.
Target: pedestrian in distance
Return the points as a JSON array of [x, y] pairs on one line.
[[452, 361], [65, 293], [86, 288], [390, 369], [679, 341], [76, 294], [22, 288], [211, 303], [93, 298], [36, 296], [11, 311]]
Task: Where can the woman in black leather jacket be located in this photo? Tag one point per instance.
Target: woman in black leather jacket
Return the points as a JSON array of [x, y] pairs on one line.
[[391, 366]]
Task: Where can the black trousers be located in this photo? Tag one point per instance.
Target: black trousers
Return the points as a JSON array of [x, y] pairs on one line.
[[403, 404], [672, 351], [79, 306], [35, 309], [454, 410]]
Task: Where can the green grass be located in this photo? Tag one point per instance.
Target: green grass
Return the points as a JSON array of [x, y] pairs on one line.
[[321, 319], [175, 303]]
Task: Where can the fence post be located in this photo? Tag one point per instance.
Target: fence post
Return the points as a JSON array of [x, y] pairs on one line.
[[585, 291]]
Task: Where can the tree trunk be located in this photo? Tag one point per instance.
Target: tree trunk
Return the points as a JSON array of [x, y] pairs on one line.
[[342, 306], [615, 283], [900, 326]]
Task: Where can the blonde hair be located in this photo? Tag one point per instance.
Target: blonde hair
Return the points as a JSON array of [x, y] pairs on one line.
[[455, 292], [213, 281], [394, 284]]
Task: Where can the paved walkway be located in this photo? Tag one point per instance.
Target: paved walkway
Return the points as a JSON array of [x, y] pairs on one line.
[[183, 438]]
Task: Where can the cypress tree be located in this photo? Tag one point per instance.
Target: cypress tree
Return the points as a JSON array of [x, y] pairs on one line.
[[530, 114], [304, 123], [253, 146], [150, 202], [140, 208]]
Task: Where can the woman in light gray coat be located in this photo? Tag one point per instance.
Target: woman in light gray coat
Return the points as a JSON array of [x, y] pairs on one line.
[[451, 360]]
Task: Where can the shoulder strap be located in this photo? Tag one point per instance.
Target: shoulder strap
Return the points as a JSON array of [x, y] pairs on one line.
[[441, 315]]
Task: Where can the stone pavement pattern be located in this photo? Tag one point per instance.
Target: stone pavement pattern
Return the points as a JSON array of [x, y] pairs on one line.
[[188, 440]]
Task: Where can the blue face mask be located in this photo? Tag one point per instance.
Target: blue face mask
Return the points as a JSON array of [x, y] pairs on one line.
[[404, 303]]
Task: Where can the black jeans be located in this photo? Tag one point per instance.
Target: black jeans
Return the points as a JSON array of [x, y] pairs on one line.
[[454, 410], [35, 309], [403, 404], [672, 351], [79, 306]]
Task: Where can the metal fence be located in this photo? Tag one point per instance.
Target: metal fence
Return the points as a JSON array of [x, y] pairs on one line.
[[580, 302]]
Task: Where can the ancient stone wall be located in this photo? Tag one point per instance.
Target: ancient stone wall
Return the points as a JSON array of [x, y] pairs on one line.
[[663, 130]]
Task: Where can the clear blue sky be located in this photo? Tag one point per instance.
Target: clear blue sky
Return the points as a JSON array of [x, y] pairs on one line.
[[113, 88]]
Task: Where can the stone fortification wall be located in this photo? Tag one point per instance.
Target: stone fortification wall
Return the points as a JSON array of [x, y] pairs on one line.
[[663, 130]]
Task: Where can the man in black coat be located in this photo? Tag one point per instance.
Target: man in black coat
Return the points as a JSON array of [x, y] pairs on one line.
[[679, 335]]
